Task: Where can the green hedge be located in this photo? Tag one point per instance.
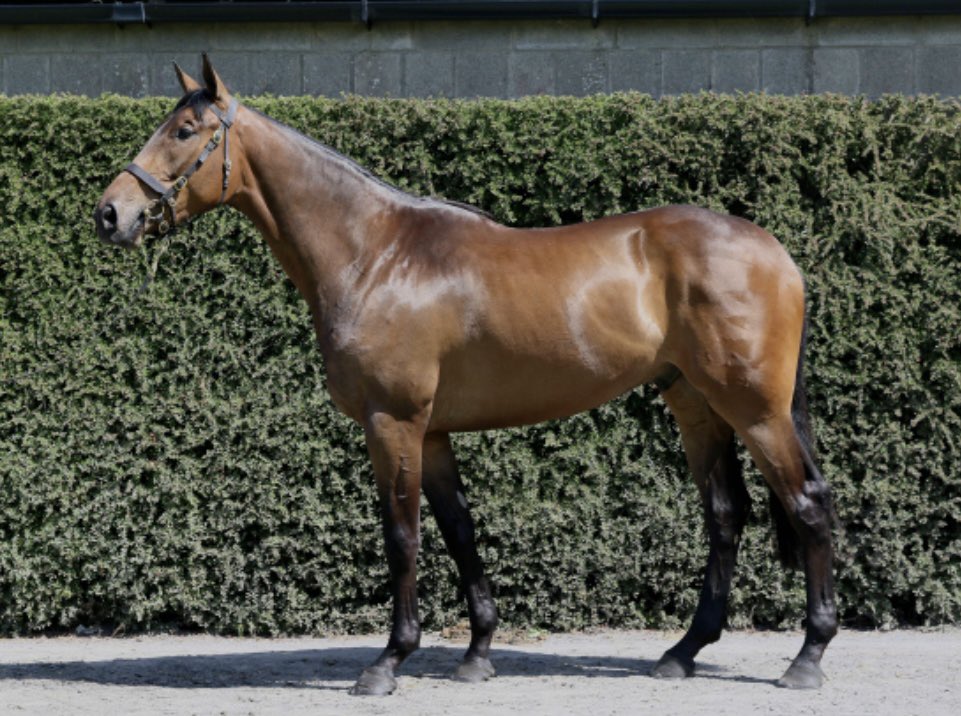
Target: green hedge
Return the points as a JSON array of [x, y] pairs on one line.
[[171, 457]]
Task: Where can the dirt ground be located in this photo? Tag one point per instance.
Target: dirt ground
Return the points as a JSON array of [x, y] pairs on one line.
[[899, 672]]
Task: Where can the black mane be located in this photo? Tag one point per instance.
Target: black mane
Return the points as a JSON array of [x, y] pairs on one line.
[[364, 171]]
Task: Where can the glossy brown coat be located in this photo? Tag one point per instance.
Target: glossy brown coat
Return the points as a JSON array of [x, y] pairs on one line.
[[433, 318]]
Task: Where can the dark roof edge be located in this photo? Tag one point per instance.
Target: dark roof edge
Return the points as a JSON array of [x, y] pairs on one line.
[[368, 11]]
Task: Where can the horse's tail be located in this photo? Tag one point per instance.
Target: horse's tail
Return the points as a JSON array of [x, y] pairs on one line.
[[789, 545]]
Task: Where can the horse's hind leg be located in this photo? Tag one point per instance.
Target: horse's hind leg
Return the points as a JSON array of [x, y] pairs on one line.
[[712, 458], [782, 454], [445, 493]]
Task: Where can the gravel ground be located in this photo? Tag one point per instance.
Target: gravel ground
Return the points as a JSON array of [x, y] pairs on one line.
[[899, 672]]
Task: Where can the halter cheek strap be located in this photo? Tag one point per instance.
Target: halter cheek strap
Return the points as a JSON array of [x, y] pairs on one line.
[[157, 211]]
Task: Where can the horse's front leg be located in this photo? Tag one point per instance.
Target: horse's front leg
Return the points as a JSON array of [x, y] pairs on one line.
[[395, 448], [445, 493]]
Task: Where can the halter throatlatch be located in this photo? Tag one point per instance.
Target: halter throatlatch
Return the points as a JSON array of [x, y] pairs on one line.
[[158, 210]]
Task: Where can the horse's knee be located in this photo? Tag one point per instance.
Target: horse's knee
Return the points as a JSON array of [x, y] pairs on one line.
[[729, 522]]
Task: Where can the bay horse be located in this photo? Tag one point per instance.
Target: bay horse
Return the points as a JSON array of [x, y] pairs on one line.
[[433, 318]]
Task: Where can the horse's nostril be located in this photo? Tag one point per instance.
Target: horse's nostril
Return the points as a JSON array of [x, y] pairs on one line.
[[108, 217]]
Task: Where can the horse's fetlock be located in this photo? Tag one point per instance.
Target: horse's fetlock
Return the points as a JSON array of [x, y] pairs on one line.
[[405, 639], [708, 636], [486, 617], [482, 608], [822, 623], [705, 629]]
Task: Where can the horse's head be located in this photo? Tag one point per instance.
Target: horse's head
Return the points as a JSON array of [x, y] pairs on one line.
[[183, 170]]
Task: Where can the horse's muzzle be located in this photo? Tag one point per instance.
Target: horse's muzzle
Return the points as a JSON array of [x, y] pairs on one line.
[[105, 218]]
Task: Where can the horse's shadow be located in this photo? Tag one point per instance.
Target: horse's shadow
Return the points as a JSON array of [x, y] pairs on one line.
[[332, 668]]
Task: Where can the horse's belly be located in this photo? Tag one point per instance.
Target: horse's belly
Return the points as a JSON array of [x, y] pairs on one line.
[[500, 391]]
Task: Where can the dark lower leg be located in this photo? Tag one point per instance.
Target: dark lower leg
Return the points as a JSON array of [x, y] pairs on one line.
[[482, 614], [405, 624], [726, 504], [782, 454], [378, 678], [445, 493], [398, 483], [476, 665], [813, 518]]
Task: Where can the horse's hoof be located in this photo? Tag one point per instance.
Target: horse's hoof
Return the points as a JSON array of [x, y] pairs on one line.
[[673, 667], [802, 675], [374, 681], [474, 669]]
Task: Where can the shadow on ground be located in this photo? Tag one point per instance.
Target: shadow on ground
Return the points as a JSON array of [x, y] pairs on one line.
[[333, 668]]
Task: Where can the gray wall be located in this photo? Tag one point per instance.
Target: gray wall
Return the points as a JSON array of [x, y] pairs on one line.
[[497, 59]]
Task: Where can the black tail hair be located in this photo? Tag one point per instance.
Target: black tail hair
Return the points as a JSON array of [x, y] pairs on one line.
[[788, 541]]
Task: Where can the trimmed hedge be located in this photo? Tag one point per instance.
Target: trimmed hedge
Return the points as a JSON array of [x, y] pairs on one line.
[[170, 456]]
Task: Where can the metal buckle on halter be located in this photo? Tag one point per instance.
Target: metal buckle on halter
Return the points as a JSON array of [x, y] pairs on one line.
[[154, 217], [154, 214], [180, 183], [218, 135]]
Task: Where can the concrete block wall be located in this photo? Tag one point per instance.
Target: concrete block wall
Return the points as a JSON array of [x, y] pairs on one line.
[[868, 56]]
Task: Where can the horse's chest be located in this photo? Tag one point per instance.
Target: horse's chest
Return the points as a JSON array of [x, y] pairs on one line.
[[360, 383]]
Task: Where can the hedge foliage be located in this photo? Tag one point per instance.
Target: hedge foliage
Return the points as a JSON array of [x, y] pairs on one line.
[[170, 456]]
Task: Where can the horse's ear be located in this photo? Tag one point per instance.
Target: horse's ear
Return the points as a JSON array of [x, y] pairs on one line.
[[215, 86], [188, 83]]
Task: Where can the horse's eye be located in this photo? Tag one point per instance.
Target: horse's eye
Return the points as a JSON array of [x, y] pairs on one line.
[[185, 132]]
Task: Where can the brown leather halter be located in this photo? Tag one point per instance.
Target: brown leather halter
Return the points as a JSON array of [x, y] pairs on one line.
[[167, 201]]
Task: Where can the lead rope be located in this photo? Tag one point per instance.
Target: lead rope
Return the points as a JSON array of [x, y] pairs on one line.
[[152, 263]]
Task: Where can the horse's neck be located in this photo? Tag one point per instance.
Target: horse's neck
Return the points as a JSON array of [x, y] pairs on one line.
[[321, 215]]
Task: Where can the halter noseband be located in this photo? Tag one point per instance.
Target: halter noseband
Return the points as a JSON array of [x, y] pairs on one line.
[[167, 202]]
